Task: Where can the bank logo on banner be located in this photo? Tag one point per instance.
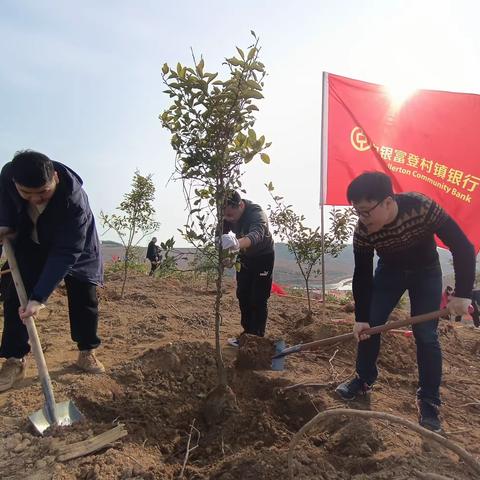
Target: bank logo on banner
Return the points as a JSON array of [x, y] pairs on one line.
[[359, 140]]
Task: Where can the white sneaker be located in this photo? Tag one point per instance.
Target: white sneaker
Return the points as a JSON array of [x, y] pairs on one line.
[[233, 341]]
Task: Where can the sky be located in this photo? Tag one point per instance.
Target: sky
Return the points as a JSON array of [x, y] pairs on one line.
[[81, 81]]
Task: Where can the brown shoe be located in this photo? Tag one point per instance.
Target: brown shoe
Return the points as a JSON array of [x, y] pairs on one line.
[[12, 371], [88, 362]]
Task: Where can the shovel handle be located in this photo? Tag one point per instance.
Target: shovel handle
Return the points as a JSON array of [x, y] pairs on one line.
[[425, 317], [32, 335]]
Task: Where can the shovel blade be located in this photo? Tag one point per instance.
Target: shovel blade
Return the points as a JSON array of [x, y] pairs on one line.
[[66, 412], [278, 364]]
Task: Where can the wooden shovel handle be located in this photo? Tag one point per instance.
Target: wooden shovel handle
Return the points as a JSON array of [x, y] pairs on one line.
[[32, 334], [373, 330]]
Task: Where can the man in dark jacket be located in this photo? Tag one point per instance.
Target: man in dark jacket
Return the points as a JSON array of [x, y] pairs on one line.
[[246, 230], [45, 210], [153, 255]]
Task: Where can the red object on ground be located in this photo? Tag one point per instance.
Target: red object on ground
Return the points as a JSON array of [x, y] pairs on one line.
[[277, 289]]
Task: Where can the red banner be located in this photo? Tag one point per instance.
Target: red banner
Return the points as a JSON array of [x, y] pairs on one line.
[[427, 142]]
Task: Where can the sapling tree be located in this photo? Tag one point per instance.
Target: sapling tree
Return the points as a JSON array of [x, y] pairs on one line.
[[135, 221], [305, 243], [205, 263], [211, 121]]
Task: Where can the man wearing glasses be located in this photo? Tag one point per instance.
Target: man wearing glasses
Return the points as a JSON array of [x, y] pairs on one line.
[[401, 229]]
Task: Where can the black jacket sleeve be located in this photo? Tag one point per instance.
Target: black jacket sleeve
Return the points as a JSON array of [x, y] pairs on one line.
[[463, 254], [258, 226]]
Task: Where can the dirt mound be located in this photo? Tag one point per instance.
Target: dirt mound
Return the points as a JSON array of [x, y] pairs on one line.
[[255, 353], [319, 330]]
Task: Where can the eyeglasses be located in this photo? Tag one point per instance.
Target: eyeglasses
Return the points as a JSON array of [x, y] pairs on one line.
[[366, 213]]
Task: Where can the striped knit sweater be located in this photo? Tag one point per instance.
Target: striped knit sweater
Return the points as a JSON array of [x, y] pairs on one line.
[[408, 243]]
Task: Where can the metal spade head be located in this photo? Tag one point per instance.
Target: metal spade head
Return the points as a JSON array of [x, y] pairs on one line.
[[66, 413], [278, 363]]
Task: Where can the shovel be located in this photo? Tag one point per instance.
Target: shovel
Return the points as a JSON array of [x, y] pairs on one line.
[[52, 414], [278, 360]]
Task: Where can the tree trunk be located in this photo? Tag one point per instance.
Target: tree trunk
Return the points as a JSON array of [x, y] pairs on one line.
[[308, 297], [222, 374], [125, 274]]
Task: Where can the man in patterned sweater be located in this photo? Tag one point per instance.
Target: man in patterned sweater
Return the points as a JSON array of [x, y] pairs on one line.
[[401, 229]]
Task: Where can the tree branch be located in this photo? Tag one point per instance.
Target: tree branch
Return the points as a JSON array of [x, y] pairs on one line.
[[429, 435]]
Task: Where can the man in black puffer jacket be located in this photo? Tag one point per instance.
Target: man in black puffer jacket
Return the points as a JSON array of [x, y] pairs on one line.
[[246, 230]]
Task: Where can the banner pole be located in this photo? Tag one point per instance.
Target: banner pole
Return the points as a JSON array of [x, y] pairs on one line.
[[323, 177]]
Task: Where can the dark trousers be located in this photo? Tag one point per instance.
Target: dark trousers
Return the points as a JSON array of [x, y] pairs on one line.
[[153, 267], [254, 284], [424, 287], [82, 306]]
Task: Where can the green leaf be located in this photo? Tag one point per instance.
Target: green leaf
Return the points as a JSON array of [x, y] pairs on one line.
[[265, 158], [240, 51], [253, 33], [235, 61], [211, 76], [200, 66], [252, 136], [253, 84], [165, 69], [252, 94], [251, 53]]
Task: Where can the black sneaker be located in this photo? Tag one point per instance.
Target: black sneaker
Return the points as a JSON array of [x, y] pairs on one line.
[[428, 416], [350, 389]]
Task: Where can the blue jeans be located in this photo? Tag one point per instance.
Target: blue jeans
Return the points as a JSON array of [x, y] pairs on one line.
[[424, 287]]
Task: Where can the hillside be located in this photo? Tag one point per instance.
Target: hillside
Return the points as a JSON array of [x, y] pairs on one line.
[[286, 270]]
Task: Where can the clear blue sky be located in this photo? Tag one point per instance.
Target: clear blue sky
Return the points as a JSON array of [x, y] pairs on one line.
[[80, 80]]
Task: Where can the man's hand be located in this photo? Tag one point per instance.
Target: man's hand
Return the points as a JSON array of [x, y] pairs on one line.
[[230, 242], [31, 310], [358, 327], [6, 232], [459, 306]]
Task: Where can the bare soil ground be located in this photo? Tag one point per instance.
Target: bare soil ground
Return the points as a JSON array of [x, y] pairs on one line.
[[159, 353]]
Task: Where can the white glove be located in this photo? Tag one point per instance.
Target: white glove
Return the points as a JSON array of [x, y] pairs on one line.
[[459, 306], [230, 242]]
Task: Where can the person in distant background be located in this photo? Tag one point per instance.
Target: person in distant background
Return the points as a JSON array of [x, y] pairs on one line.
[[446, 297], [153, 254], [476, 304]]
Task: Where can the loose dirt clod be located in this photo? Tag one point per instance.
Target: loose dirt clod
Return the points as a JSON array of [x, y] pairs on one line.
[[255, 353], [219, 405]]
